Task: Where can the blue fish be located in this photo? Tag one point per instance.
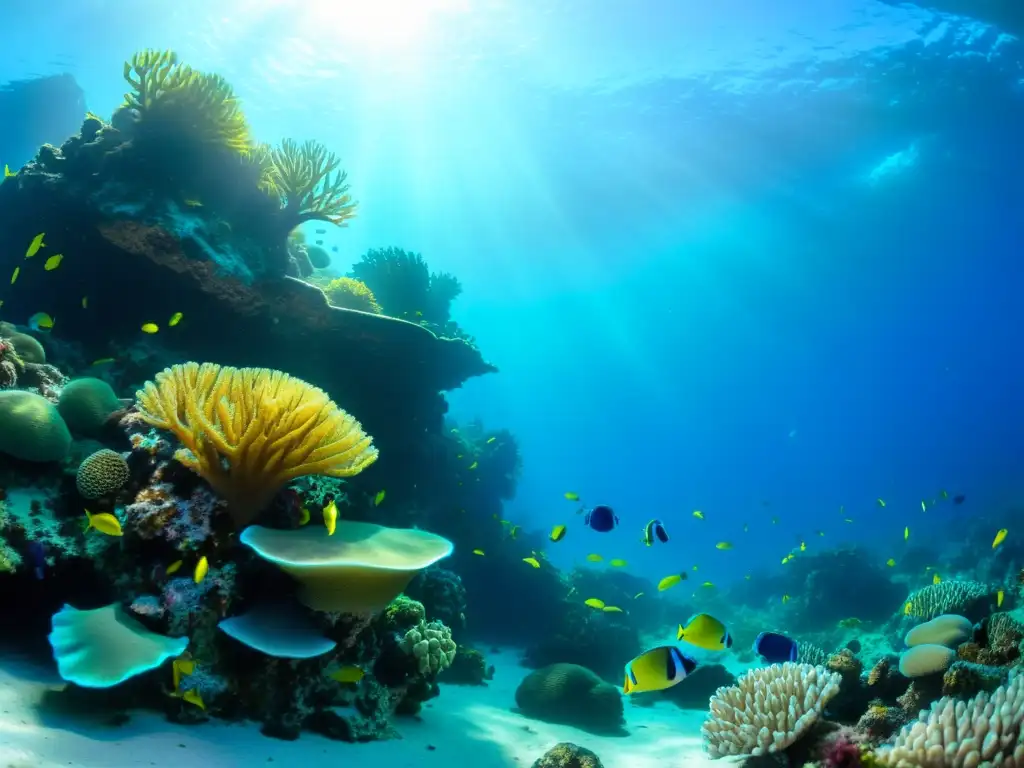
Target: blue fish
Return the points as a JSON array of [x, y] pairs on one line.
[[601, 519], [775, 648], [37, 558]]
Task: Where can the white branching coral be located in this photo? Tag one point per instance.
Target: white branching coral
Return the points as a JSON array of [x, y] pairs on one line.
[[432, 645], [985, 731], [768, 709]]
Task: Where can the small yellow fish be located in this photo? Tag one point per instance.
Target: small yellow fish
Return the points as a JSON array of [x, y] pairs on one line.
[[8, 173], [611, 609], [514, 531], [304, 515], [532, 561], [908, 608], [331, 517], [202, 568], [175, 319], [595, 603], [104, 522], [569, 495], [880, 502], [40, 321], [999, 598], [924, 507], [638, 594], [378, 498], [698, 514], [1000, 537], [85, 302], [14, 275], [936, 579], [53, 262], [557, 533], [150, 328], [35, 245], [173, 569], [350, 673], [193, 203], [478, 552], [707, 584], [787, 558], [594, 558], [785, 599], [183, 665], [474, 465], [693, 569], [891, 562], [906, 532], [103, 361], [723, 545], [491, 440], [803, 546], [192, 697], [618, 563], [671, 581]]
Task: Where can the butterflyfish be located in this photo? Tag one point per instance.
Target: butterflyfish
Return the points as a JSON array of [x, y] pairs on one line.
[[150, 328], [532, 561], [1000, 537], [202, 568], [594, 603], [40, 321], [618, 562], [175, 319], [594, 558], [104, 522], [705, 631], [670, 581], [723, 545], [478, 552], [53, 262], [654, 531], [657, 669], [350, 673], [698, 514], [35, 245], [557, 533], [378, 498], [775, 648], [331, 517]]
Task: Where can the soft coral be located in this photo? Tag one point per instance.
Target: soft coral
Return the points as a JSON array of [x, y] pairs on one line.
[[842, 751]]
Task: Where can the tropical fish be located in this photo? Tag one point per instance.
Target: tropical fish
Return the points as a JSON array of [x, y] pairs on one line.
[[654, 530], [191, 696], [698, 514], [594, 558], [175, 319], [474, 465], [85, 302], [173, 569], [692, 569], [104, 522], [705, 631], [378, 498], [40, 321], [202, 568], [999, 598], [35, 245], [670, 581], [557, 533], [803, 546], [891, 562], [478, 552], [908, 608], [906, 532], [1000, 537], [785, 599], [657, 669], [787, 558], [191, 203], [820, 533], [103, 361], [880, 502], [601, 519], [708, 584], [618, 562], [936, 579], [14, 275], [595, 603], [53, 262], [850, 623], [924, 507], [150, 327], [350, 673], [331, 517], [513, 531], [491, 440], [532, 561], [8, 173], [723, 545], [638, 594], [944, 494], [611, 609], [847, 519], [775, 648], [571, 496], [183, 665], [304, 515]]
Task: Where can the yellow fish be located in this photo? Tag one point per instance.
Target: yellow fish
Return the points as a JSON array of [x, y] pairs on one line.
[[656, 670], [906, 532], [1000, 537], [193, 203], [175, 319], [594, 558], [14, 275], [908, 608], [183, 665], [705, 631], [787, 558], [595, 603], [150, 328], [474, 465], [35, 245], [192, 697], [936, 579], [304, 515], [8, 173], [202, 568], [171, 570], [707, 584], [611, 609], [532, 561], [881, 502], [350, 673], [803, 546], [571, 496], [103, 361], [85, 302], [890, 562], [638, 594], [618, 563], [785, 599], [514, 531], [698, 514], [671, 581], [999, 598], [557, 533], [478, 552], [104, 522], [491, 440], [378, 498], [723, 545], [40, 321], [53, 262], [331, 517], [692, 569]]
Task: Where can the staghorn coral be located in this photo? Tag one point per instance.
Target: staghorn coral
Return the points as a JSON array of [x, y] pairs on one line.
[[307, 189], [768, 709], [432, 646], [249, 431], [101, 473], [349, 293], [965, 598], [986, 731]]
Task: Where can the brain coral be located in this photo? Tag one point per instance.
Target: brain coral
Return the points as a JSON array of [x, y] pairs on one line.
[[768, 709], [86, 404], [101, 473], [570, 694], [985, 731], [31, 429]]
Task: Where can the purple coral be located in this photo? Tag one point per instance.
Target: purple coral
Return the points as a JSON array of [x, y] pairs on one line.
[[842, 751], [158, 513], [183, 598]]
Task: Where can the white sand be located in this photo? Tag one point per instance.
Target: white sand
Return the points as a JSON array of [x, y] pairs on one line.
[[470, 724]]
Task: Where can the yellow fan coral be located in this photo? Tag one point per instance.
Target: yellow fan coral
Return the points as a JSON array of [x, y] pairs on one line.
[[348, 293], [309, 184], [248, 431]]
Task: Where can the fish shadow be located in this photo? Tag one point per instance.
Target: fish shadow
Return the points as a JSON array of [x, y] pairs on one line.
[[617, 731], [82, 711]]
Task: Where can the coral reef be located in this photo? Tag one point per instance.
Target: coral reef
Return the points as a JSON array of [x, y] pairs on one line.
[[567, 755], [442, 594], [431, 645], [469, 667], [348, 293], [964, 598]]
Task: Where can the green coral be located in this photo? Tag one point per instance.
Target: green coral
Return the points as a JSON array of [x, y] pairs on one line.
[[171, 96], [404, 612], [432, 646], [307, 179], [349, 293]]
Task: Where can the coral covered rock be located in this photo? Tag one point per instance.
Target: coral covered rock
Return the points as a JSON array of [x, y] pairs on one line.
[[431, 645], [573, 695], [567, 755]]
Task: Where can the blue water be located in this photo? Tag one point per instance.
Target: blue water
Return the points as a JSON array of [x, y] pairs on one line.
[[757, 263]]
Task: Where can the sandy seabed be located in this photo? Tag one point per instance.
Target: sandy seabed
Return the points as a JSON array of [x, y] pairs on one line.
[[471, 724]]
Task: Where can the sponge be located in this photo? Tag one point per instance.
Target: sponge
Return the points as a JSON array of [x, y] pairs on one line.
[[86, 404], [31, 429]]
